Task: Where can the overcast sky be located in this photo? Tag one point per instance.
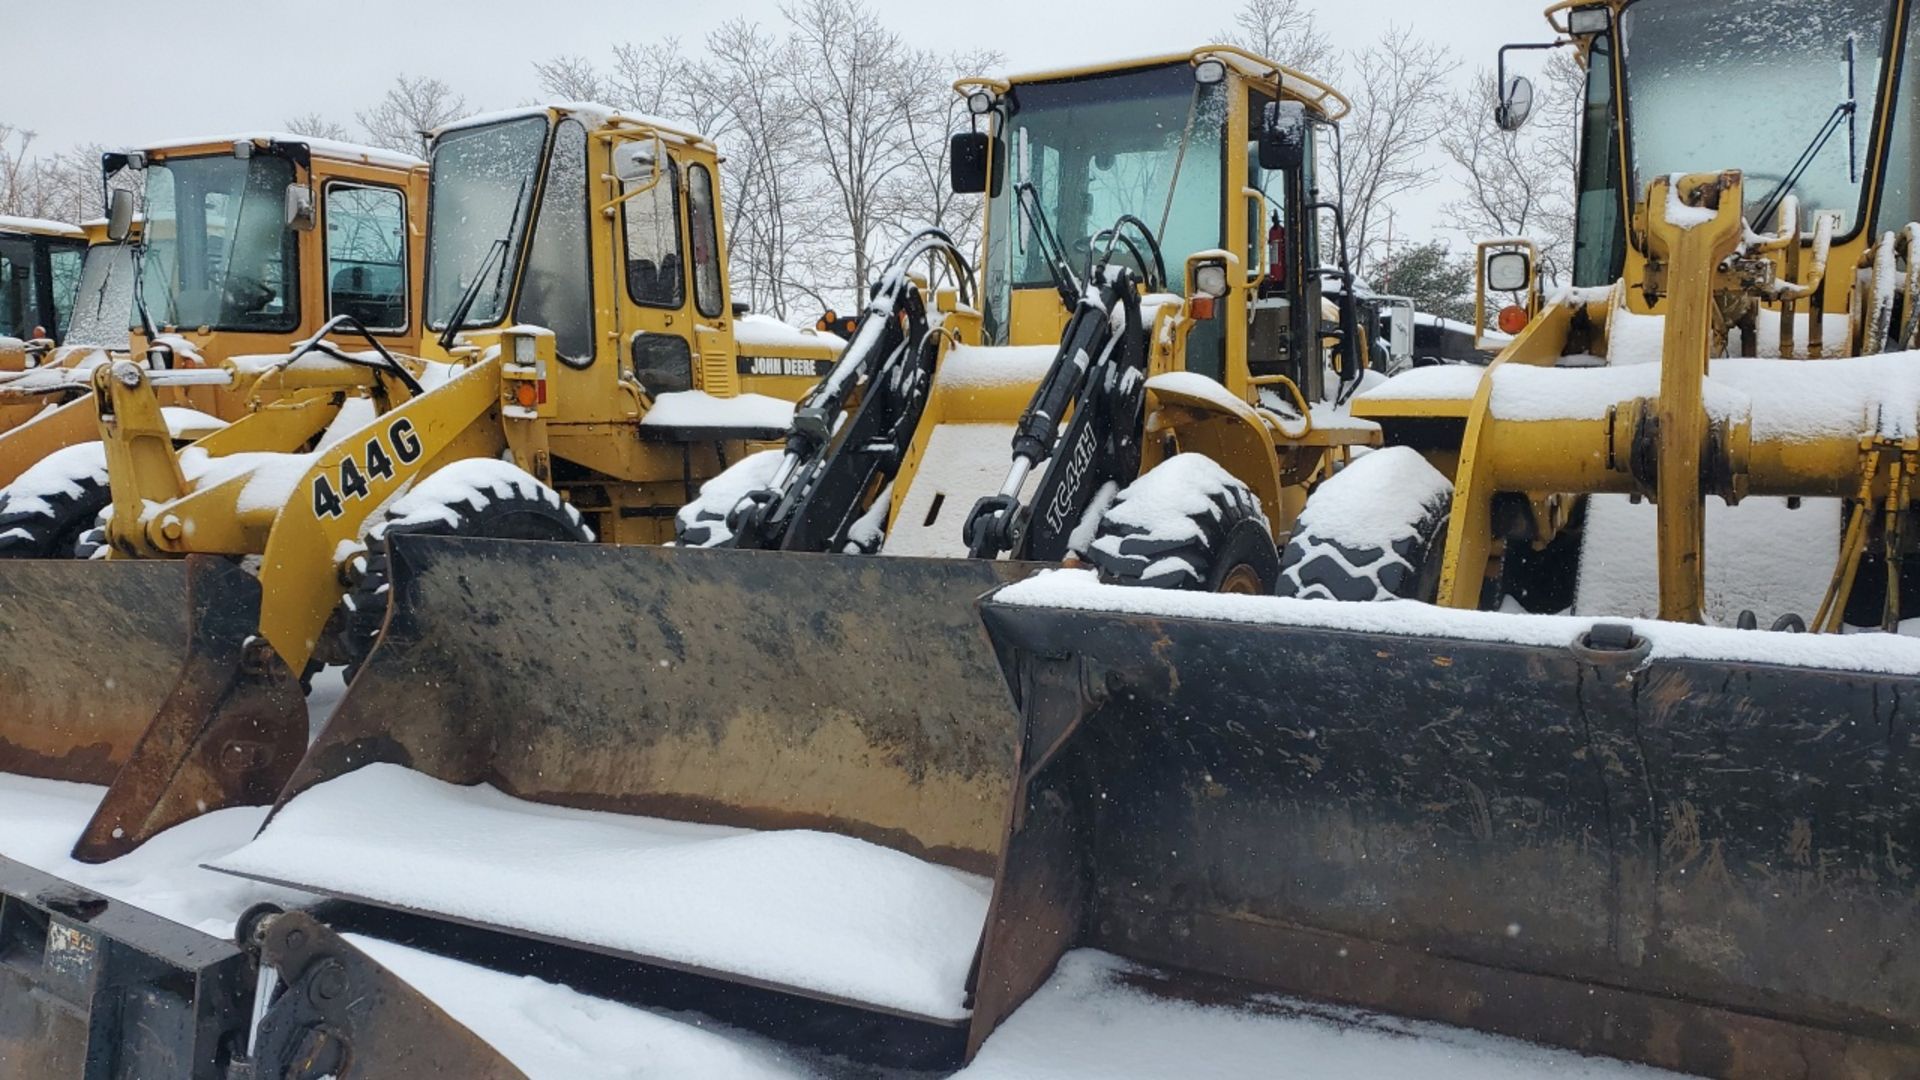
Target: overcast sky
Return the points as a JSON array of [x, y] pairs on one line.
[[147, 70]]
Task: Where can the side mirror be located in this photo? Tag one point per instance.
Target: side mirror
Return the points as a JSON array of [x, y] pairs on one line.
[[636, 163], [1509, 271], [1283, 136], [971, 156], [1516, 104], [299, 208], [119, 214]]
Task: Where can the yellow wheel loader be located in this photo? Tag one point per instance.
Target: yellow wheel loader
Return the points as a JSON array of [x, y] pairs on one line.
[[1136, 328], [1684, 844], [586, 371], [40, 264], [212, 250]]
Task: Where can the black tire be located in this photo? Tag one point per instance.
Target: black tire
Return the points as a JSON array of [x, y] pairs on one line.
[[51, 526], [1229, 548], [531, 511], [1320, 565]]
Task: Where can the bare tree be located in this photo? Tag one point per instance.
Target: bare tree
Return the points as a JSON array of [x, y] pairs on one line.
[[315, 126], [15, 168], [1283, 30], [573, 78], [1400, 103], [63, 186], [1519, 183], [411, 108]]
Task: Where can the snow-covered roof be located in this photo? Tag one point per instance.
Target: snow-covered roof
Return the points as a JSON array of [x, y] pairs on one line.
[[1297, 83], [327, 148], [41, 226], [591, 113], [767, 332]]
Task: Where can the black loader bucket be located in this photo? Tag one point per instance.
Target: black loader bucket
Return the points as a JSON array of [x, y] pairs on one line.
[[144, 676], [93, 987], [1711, 865], [816, 700]]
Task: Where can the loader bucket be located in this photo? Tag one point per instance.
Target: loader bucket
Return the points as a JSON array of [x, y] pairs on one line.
[[146, 677], [770, 691], [93, 987], [1706, 864]]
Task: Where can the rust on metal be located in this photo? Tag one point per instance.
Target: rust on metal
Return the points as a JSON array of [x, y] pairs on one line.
[[344, 1015], [88, 651], [229, 733], [1701, 865], [755, 689]]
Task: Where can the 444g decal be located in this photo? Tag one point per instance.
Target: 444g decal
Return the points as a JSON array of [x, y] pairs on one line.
[[375, 462]]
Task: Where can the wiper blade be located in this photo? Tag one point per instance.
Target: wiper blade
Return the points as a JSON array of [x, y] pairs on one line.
[[1845, 110], [498, 249]]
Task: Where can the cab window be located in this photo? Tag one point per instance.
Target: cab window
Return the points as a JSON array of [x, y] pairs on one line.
[[558, 292], [706, 241], [656, 274], [367, 255]]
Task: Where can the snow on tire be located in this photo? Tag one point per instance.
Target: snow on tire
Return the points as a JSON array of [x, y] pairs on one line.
[[478, 497], [1371, 532], [1186, 524], [703, 522], [47, 509]]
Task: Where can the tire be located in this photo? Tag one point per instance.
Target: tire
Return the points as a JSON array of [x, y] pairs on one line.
[[480, 498], [68, 491], [1206, 532], [1393, 555], [703, 522]]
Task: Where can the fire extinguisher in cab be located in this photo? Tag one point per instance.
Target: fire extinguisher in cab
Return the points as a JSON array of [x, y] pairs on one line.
[[1276, 255]]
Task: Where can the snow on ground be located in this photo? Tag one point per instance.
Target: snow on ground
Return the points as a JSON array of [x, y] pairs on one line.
[[1081, 589], [44, 817], [795, 907], [1761, 556], [698, 409], [555, 1033], [1093, 1021], [329, 683]]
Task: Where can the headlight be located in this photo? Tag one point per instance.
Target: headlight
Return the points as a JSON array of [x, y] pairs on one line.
[[1211, 278]]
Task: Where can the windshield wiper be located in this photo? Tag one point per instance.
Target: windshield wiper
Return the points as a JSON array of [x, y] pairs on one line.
[[1051, 249], [498, 249], [1845, 110]]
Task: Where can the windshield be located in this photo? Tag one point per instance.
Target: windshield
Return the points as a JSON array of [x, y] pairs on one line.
[[1095, 149], [1749, 85], [103, 304], [219, 252], [482, 188]]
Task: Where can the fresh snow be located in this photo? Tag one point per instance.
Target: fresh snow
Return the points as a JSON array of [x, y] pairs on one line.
[[1438, 382], [554, 1033], [1377, 499], [164, 876], [183, 422], [60, 473], [1681, 214], [474, 481], [752, 332], [1760, 556], [1081, 590], [979, 367], [721, 494], [1169, 502], [329, 148], [699, 409], [1097, 1018], [811, 910], [42, 226], [1195, 385], [963, 463]]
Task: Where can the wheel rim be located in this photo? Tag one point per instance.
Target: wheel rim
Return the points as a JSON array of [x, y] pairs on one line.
[[1242, 580]]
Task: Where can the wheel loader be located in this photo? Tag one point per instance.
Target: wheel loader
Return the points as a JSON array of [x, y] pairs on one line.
[[584, 369], [245, 246], [39, 269], [1151, 297]]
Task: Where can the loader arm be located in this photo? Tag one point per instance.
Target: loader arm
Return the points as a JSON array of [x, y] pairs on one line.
[[1099, 375], [833, 469]]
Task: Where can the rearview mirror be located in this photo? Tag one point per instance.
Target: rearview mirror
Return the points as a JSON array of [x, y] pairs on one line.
[[1516, 104], [299, 209], [635, 163], [1509, 271], [972, 157], [119, 214], [1283, 136]]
